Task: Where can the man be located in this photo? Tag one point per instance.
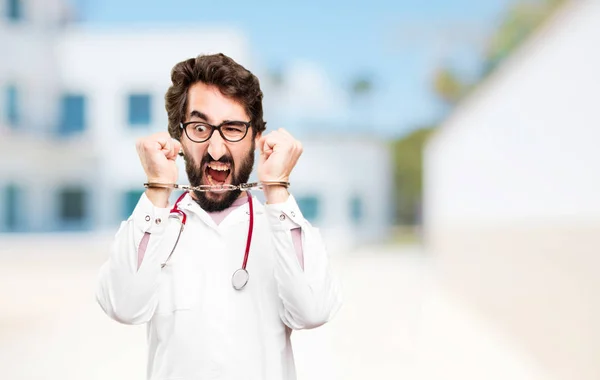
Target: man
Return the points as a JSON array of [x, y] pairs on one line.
[[203, 321]]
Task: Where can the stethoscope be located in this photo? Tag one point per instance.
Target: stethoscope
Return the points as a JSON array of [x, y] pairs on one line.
[[240, 276]]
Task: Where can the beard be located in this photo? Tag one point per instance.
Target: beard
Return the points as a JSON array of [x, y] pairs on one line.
[[218, 201]]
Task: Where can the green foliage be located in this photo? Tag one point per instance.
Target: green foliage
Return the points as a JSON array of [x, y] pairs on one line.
[[362, 85], [408, 175], [276, 77], [520, 21], [448, 86]]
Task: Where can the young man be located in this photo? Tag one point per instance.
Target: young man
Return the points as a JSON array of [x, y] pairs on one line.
[[221, 286]]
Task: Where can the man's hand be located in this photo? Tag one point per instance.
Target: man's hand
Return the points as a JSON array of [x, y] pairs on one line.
[[158, 153], [279, 153]]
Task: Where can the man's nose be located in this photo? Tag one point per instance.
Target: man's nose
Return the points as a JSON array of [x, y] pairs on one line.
[[216, 146]]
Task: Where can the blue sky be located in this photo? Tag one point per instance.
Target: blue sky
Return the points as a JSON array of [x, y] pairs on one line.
[[397, 43]]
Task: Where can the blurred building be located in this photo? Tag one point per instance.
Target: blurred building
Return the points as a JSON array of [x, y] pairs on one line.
[[74, 98], [512, 210]]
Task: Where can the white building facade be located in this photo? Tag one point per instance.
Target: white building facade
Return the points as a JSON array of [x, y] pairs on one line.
[[512, 211], [75, 98]]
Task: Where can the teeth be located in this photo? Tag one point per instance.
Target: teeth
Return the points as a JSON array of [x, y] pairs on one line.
[[218, 166], [211, 182]]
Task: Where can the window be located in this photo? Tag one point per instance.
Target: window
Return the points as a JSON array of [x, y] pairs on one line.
[[11, 207], [130, 200], [14, 10], [309, 205], [356, 209], [72, 206], [72, 114], [139, 109], [12, 106]]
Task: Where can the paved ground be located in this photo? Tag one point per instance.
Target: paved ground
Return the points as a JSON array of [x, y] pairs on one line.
[[396, 323]]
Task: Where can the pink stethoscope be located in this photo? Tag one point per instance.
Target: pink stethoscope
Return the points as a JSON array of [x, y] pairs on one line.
[[240, 277]]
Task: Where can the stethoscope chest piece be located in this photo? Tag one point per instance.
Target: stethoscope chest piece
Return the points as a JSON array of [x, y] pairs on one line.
[[240, 278]]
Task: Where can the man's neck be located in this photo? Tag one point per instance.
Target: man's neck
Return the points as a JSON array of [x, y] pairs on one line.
[[219, 216]]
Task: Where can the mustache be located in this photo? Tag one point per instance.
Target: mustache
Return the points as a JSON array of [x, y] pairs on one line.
[[227, 159]]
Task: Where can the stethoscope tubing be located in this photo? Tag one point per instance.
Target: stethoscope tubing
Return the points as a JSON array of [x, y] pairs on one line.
[[183, 219]]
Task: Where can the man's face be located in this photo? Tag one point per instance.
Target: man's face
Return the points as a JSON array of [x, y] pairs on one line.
[[216, 161]]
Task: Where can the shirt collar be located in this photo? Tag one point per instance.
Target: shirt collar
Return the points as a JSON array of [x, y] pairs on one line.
[[188, 204]]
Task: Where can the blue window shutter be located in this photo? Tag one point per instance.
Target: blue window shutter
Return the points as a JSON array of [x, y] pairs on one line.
[[139, 109], [73, 116], [11, 207], [12, 106], [356, 209], [14, 10], [72, 205], [309, 205], [130, 200]]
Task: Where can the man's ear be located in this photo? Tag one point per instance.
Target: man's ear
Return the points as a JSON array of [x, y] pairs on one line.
[[180, 153]]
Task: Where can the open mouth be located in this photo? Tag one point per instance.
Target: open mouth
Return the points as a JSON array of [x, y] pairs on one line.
[[217, 173]]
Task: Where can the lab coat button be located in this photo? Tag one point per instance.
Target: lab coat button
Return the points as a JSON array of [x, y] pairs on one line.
[[157, 220], [147, 218], [282, 217], [293, 214]]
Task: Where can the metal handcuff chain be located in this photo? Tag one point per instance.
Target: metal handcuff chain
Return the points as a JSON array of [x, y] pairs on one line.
[[227, 187]]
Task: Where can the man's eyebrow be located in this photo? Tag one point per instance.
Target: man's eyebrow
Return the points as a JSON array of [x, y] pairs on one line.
[[199, 115]]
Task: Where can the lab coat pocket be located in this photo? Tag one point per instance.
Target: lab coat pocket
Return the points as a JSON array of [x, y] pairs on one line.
[[179, 289]]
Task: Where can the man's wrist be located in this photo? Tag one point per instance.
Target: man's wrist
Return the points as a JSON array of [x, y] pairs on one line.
[[276, 194], [159, 196]]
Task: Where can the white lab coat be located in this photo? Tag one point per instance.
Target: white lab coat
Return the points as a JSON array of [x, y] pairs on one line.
[[199, 327]]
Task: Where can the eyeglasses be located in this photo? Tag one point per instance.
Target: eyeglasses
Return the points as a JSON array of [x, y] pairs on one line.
[[199, 131]]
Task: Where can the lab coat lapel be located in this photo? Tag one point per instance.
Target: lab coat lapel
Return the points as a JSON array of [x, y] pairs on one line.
[[190, 206]]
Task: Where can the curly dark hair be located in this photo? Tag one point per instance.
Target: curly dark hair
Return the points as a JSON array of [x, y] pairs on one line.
[[231, 78]]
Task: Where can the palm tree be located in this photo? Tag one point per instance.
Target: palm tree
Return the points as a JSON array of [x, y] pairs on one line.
[[361, 90]]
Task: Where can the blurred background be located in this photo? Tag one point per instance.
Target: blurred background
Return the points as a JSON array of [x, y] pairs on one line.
[[450, 161]]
